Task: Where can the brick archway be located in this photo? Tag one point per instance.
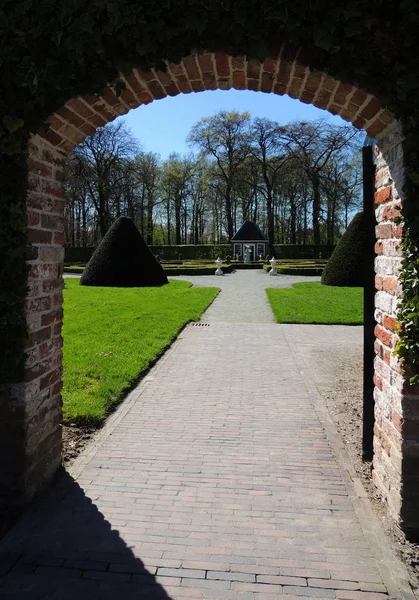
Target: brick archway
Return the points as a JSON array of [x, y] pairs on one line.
[[200, 72], [38, 397]]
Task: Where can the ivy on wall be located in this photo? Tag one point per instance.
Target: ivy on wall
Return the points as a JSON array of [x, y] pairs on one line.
[[51, 51], [407, 348]]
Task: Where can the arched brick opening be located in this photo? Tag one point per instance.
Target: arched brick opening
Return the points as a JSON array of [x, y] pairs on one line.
[[38, 397]]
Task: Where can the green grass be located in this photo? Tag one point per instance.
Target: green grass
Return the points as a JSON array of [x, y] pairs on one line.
[[112, 335], [316, 303]]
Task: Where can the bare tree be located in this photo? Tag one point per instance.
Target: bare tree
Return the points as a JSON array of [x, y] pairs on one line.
[[225, 137], [299, 182], [79, 212], [148, 172], [314, 144], [268, 152], [100, 162], [177, 175]]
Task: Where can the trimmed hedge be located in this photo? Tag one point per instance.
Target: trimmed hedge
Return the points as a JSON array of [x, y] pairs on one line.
[[305, 271], [244, 266], [74, 255], [171, 270], [123, 259], [198, 270], [309, 268], [346, 265], [78, 269], [298, 251], [192, 251]]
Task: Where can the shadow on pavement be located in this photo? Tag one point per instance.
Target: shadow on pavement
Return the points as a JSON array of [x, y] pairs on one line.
[[63, 548]]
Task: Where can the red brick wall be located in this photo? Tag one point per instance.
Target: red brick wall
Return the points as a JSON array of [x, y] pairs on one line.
[[37, 399], [44, 310], [35, 415], [396, 441]]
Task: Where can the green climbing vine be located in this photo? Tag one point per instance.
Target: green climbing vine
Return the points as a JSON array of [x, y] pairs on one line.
[[407, 348], [50, 52]]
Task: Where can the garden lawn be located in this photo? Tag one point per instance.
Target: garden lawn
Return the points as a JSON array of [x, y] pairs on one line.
[[111, 336], [313, 302]]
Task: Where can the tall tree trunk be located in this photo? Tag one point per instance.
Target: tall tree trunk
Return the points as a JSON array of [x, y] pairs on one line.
[[293, 218], [168, 223], [196, 227], [255, 212], [84, 224], [149, 234], [130, 203], [331, 212], [185, 224], [102, 211], [178, 221], [228, 211], [102, 224], [142, 210], [270, 218], [316, 208], [328, 222]]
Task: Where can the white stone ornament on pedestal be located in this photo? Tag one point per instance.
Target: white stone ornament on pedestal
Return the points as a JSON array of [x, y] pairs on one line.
[[247, 254], [219, 262], [273, 270]]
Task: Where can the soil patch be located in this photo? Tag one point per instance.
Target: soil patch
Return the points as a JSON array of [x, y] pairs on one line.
[[75, 439]]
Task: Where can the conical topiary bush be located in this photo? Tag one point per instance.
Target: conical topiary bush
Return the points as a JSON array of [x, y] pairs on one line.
[[123, 259], [346, 265]]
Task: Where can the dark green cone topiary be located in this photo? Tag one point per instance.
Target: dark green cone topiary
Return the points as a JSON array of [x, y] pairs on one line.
[[346, 265], [123, 259]]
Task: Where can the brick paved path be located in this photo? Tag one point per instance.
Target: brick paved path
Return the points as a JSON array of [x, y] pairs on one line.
[[242, 298], [214, 480]]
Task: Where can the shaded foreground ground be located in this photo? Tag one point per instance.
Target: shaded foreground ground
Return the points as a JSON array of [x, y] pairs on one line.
[[215, 479]]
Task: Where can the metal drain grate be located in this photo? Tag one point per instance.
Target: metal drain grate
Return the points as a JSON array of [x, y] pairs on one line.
[[201, 324]]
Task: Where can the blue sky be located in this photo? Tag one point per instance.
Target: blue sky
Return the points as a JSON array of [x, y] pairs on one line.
[[163, 125]]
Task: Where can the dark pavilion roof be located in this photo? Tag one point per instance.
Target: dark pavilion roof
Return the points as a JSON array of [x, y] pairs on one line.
[[248, 232]]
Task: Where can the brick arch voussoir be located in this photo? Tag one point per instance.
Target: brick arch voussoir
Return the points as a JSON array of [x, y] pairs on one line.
[[280, 74]]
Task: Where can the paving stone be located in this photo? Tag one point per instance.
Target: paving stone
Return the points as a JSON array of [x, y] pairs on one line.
[[230, 305], [214, 479], [257, 588], [194, 573], [231, 576], [106, 576], [334, 584], [281, 580], [350, 595], [311, 592], [205, 583]]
